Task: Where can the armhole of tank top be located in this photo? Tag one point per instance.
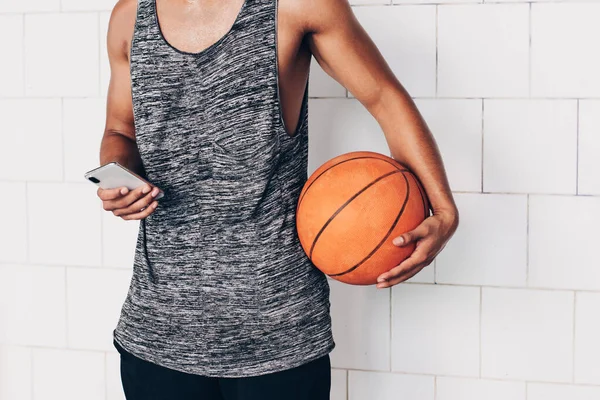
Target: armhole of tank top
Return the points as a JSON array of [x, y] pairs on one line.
[[304, 106], [133, 36]]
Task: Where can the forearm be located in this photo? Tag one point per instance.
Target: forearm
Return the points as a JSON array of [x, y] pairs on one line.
[[411, 142], [120, 148]]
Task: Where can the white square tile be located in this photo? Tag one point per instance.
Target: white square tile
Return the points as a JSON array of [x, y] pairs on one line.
[[530, 146], [64, 224], [339, 126], [478, 389], [33, 149], [58, 62], [587, 331], [68, 375], [538, 391], [32, 305], [565, 61], [426, 275], [563, 242], [589, 147], [483, 50], [456, 126], [114, 387], [88, 5], [405, 36], [84, 121], [104, 64], [119, 238], [365, 385], [15, 373], [12, 83], [433, 326], [527, 334], [13, 229], [12, 6], [339, 384], [322, 85], [94, 301], [490, 244], [352, 309]]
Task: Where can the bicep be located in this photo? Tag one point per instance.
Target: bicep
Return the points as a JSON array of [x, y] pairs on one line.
[[119, 107], [345, 51]]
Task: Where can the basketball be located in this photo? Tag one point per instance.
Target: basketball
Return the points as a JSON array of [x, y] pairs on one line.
[[351, 208]]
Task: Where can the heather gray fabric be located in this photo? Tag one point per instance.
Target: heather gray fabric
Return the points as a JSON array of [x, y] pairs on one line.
[[221, 286]]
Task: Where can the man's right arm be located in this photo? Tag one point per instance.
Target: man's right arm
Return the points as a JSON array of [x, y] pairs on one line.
[[118, 143]]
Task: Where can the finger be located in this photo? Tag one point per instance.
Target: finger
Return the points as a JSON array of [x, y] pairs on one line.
[[417, 257], [136, 206], [128, 200], [142, 214], [111, 194], [406, 275], [411, 236]]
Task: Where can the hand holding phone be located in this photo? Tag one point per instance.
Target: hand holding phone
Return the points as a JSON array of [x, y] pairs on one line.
[[123, 192]]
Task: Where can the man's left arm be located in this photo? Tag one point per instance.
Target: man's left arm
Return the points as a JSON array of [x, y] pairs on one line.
[[344, 51]]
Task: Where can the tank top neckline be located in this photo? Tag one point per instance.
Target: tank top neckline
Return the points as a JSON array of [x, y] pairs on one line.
[[206, 50]]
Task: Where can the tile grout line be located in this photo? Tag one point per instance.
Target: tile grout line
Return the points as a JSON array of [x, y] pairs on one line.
[[347, 384], [391, 298], [437, 22]]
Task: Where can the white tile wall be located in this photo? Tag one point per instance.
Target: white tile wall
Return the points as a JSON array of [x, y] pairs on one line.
[[527, 334], [478, 389], [537, 391], [560, 256], [58, 232], [389, 386], [338, 126], [456, 126], [15, 373], [405, 37], [91, 322], [529, 67], [31, 140], [587, 332], [68, 375], [530, 146], [483, 50], [13, 214], [589, 147], [83, 127], [432, 327], [339, 384], [565, 61], [11, 47], [68, 69], [352, 309], [32, 305], [490, 244], [92, 5]]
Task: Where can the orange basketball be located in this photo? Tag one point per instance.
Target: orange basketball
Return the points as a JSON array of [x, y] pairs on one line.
[[351, 208]]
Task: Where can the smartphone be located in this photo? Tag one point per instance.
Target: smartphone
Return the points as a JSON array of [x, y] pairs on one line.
[[113, 175]]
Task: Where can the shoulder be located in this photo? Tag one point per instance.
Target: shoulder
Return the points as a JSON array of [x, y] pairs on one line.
[[316, 15], [121, 26]]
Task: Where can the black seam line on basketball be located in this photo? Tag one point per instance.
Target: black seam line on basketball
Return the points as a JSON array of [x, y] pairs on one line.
[[335, 165], [312, 247], [389, 232]]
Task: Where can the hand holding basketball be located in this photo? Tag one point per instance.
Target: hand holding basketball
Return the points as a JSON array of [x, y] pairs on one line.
[[430, 237]]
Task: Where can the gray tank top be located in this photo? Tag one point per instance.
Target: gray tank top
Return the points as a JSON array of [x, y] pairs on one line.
[[221, 286]]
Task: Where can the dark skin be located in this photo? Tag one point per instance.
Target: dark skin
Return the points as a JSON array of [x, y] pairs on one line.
[[324, 29]]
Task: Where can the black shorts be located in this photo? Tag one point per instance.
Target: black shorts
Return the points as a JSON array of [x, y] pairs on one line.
[[143, 380]]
